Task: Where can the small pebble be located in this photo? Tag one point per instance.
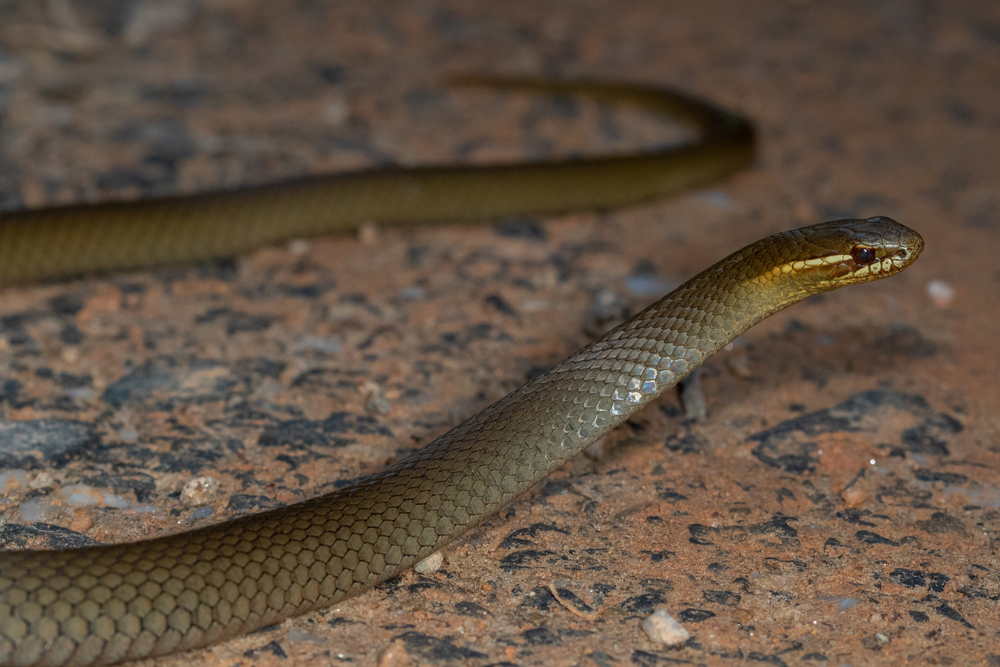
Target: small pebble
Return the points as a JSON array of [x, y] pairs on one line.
[[318, 344], [81, 495], [853, 496], [80, 523], [412, 293], [375, 400], [34, 510], [299, 246], [738, 359], [335, 111], [606, 311], [430, 564], [940, 293], [41, 481], [147, 18], [718, 199], [663, 629], [199, 491]]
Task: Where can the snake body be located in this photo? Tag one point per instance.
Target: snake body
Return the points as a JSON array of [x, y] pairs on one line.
[[71, 240], [108, 604]]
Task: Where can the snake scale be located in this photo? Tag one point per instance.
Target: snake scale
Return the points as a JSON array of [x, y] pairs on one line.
[[107, 604]]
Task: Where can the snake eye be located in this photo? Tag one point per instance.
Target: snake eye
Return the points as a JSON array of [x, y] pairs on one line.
[[862, 255]]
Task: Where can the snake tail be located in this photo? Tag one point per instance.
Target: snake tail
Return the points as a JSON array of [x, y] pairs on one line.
[[67, 241]]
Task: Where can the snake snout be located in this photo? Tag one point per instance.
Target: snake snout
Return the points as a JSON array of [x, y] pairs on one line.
[[902, 244]]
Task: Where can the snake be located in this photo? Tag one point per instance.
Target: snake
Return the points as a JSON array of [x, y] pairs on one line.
[[67, 241], [111, 603]]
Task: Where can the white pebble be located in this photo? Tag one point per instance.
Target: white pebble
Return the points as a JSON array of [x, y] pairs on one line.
[[663, 629], [81, 495], [298, 246], [199, 492], [940, 293], [430, 564]]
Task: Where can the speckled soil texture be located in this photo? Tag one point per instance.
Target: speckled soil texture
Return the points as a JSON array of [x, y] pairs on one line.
[[839, 505]]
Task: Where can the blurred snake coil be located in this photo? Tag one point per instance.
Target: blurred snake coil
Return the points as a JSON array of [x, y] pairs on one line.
[[108, 604]]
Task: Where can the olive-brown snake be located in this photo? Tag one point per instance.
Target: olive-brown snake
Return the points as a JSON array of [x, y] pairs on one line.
[[112, 603]]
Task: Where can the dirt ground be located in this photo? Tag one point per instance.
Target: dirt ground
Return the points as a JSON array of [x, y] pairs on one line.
[[839, 505]]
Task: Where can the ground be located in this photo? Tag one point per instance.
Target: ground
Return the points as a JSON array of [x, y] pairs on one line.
[[839, 505]]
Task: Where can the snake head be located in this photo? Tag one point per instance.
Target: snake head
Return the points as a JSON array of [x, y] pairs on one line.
[[845, 252]]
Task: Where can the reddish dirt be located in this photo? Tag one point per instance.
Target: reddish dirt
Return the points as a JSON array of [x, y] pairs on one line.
[[840, 503]]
